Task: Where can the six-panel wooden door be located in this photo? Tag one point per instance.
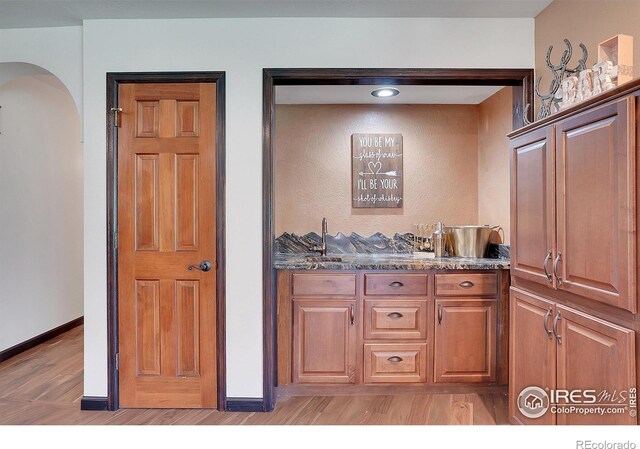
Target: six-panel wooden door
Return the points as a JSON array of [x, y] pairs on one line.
[[166, 223]]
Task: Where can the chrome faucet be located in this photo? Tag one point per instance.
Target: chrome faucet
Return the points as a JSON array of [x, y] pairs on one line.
[[322, 249]]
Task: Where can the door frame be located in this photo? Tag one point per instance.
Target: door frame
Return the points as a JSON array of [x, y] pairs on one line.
[[114, 79], [520, 79]]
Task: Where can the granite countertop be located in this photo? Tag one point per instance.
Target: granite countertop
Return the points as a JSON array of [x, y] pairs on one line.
[[398, 261]]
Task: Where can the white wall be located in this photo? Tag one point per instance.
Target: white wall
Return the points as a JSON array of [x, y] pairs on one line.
[[242, 47], [58, 50], [41, 270]]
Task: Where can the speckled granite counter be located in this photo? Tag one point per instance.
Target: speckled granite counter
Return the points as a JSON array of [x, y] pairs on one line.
[[400, 261]]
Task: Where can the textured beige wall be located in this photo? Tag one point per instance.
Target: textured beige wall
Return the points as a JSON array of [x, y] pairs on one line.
[[494, 122], [589, 22], [313, 166]]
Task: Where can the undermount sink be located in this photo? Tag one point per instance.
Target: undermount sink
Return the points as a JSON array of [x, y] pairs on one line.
[[324, 259]]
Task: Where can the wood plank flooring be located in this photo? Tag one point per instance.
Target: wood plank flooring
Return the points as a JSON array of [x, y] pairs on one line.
[[44, 386]]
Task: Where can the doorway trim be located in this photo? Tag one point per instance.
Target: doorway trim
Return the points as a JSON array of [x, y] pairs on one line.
[[114, 79], [520, 79]]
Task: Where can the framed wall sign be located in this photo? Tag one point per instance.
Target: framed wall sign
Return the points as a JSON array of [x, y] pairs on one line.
[[376, 170]]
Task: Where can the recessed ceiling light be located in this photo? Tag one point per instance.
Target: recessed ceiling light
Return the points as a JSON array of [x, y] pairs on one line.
[[385, 92]]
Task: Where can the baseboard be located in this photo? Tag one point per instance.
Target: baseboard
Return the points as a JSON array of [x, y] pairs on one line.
[[245, 405], [39, 339], [95, 403]]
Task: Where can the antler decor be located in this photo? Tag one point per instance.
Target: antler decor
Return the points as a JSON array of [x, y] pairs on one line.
[[559, 71]]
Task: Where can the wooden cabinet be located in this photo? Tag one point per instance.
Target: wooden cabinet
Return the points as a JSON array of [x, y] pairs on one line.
[[594, 354], [533, 206], [532, 354], [573, 205], [465, 340], [595, 182], [395, 362], [558, 348], [379, 328], [324, 341]]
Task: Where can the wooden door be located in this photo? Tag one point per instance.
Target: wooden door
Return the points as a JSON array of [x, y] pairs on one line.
[[532, 351], [166, 223], [465, 340], [596, 204], [324, 341], [594, 354], [533, 206]]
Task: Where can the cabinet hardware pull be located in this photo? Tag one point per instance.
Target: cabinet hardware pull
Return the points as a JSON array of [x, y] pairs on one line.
[[395, 315], [546, 324], [466, 284], [395, 359], [544, 264], [396, 284], [439, 313], [555, 268], [555, 328], [352, 315]]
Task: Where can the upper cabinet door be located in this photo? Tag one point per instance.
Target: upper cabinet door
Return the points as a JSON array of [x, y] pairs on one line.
[[596, 173], [533, 206]]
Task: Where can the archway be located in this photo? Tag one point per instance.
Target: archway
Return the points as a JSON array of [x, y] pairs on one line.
[[41, 208]]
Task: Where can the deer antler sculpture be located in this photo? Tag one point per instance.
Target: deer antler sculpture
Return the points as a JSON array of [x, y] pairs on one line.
[[558, 71]]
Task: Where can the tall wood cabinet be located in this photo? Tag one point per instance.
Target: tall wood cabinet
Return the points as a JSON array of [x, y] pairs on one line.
[[573, 302]]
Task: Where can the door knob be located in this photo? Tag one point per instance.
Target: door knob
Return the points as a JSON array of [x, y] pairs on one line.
[[205, 265]]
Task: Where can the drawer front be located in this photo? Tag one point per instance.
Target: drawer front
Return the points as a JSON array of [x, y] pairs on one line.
[[396, 284], [313, 284], [466, 284], [396, 319], [390, 363]]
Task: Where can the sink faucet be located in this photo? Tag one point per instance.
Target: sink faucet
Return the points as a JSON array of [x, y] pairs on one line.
[[323, 247]]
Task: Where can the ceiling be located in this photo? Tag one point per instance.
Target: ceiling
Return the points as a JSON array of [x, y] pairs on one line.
[[362, 94], [46, 13]]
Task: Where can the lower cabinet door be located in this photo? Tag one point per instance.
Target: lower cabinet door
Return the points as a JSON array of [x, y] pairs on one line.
[[532, 358], [465, 340], [595, 355], [324, 341], [395, 362]]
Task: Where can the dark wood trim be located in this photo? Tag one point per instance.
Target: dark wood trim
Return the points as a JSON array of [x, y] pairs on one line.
[[520, 79], [39, 339], [94, 403], [245, 405], [113, 81], [285, 391]]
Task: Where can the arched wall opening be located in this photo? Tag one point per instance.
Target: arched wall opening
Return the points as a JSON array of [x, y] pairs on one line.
[[41, 204]]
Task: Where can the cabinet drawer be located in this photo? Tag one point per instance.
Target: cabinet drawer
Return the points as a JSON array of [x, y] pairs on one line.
[[395, 319], [389, 363], [313, 284], [466, 284], [396, 284]]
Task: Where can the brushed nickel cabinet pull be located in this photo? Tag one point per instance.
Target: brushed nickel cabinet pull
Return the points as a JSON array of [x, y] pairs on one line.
[[546, 324], [555, 268], [396, 284], [395, 315], [352, 315], [555, 328], [439, 313], [544, 265], [466, 284], [395, 359]]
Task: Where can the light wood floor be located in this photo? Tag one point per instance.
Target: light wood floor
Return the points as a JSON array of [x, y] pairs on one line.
[[44, 386]]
